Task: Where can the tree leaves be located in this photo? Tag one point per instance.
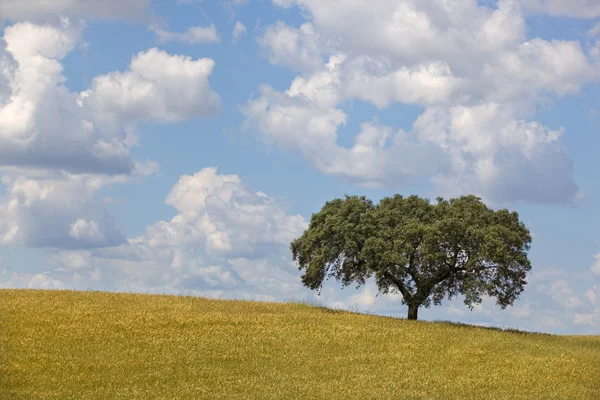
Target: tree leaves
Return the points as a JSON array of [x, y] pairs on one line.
[[425, 251]]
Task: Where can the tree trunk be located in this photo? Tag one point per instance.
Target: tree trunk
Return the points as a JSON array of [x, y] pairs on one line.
[[412, 311]]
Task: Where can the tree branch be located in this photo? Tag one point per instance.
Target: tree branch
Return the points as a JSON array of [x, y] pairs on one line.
[[425, 290], [405, 293], [411, 269]]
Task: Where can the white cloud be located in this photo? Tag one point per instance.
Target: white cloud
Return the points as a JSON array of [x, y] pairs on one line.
[[193, 35], [219, 212], [293, 48], [179, 257], [558, 66], [482, 149], [19, 10], [595, 31], [593, 294], [59, 148], [18, 280], [158, 86], [587, 9], [57, 210], [26, 40], [472, 69], [588, 319], [523, 311], [365, 298], [82, 229], [562, 293], [239, 31], [71, 260], [43, 281], [226, 240], [596, 266], [44, 125], [431, 83]]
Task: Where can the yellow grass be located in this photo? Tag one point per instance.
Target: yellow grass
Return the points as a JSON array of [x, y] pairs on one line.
[[95, 345]]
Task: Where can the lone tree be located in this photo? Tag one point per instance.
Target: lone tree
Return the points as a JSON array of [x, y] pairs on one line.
[[425, 251]]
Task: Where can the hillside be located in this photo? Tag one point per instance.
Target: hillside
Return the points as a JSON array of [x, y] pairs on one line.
[[95, 345]]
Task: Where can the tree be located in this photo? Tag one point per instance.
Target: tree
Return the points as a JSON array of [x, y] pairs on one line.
[[425, 251]]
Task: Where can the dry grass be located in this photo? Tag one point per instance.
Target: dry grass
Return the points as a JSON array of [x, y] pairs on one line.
[[94, 345]]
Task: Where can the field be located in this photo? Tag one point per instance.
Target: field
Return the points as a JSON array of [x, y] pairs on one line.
[[95, 345]]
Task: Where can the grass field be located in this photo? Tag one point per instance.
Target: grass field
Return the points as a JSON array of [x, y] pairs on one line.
[[95, 345]]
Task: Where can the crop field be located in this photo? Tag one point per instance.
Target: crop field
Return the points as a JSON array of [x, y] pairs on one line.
[[102, 345]]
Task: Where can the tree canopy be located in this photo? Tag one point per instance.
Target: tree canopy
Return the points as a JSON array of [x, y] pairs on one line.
[[426, 252]]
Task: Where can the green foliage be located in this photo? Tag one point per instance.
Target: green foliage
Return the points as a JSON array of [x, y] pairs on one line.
[[425, 251]]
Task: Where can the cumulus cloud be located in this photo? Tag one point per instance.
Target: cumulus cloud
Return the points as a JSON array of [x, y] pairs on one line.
[[59, 148], [595, 31], [596, 266], [19, 10], [239, 31], [158, 86], [552, 302], [47, 209], [472, 69], [481, 149], [587, 9], [226, 240], [44, 125], [593, 294], [19, 280], [230, 241], [293, 48], [193, 35], [228, 219], [588, 319], [378, 157]]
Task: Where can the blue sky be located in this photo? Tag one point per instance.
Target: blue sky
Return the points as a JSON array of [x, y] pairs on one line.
[[137, 157]]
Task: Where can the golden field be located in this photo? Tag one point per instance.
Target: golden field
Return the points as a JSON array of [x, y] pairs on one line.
[[103, 345]]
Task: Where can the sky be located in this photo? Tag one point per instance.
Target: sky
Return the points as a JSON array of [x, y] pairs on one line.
[[180, 146]]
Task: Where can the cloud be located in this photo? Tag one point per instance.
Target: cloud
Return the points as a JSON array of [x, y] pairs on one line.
[[293, 48], [71, 260], [596, 266], [593, 294], [230, 241], [588, 319], [445, 145], [226, 240], [57, 209], [239, 31], [82, 229], [19, 280], [552, 302], [595, 30], [522, 312], [587, 9], [43, 281], [470, 67], [41, 124], [59, 148], [19, 10], [158, 86], [563, 294], [44, 125], [194, 35], [227, 218], [500, 157], [293, 122]]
